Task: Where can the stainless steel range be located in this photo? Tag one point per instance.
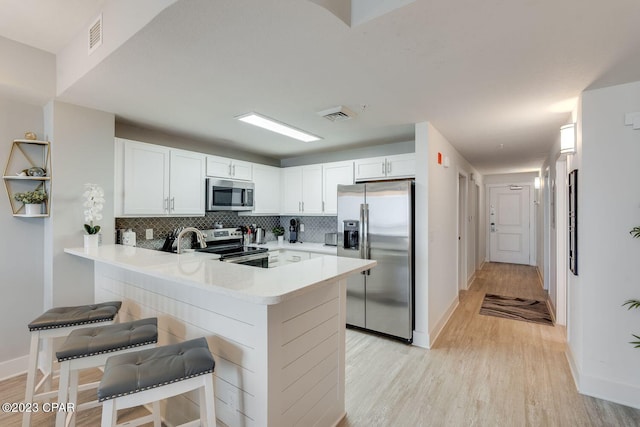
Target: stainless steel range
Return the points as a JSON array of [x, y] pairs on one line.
[[227, 242]]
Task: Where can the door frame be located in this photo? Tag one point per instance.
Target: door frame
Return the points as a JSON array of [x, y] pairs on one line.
[[532, 224], [462, 186]]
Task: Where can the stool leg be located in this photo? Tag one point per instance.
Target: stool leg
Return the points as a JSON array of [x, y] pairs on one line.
[[109, 413], [73, 394], [32, 371], [207, 403], [63, 394], [155, 406], [47, 369]]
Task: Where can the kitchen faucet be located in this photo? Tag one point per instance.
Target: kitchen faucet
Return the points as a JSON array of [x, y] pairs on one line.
[[199, 235]]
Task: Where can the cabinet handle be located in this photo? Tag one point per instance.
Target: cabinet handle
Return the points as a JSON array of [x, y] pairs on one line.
[[383, 172], [323, 206], [230, 173], [388, 167], [173, 203], [302, 206], [166, 204], [234, 170], [299, 206]]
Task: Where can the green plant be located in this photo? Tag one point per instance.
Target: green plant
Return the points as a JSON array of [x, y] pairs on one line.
[[278, 231], [31, 197], [634, 303]]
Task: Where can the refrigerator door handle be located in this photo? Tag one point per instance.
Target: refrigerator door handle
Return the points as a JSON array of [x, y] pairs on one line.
[[361, 232]]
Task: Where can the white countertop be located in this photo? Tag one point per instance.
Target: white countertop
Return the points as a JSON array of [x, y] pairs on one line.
[[319, 248], [258, 285]]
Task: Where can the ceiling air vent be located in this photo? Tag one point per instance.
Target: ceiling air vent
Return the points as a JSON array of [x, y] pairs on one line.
[[95, 34], [337, 114]]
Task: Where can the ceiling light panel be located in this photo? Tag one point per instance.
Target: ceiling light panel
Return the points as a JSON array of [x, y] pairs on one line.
[[278, 127]]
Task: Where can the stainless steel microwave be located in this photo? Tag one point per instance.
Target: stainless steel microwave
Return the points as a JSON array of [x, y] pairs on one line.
[[225, 195]]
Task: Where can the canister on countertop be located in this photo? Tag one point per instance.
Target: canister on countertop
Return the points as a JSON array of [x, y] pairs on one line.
[[129, 238]]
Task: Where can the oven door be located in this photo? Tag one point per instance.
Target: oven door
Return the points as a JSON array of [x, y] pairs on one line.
[[256, 260], [223, 195]]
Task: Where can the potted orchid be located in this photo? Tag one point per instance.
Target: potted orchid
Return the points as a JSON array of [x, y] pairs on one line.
[[94, 203]]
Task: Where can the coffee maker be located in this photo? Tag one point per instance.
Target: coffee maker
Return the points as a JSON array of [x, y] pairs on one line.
[[294, 230]]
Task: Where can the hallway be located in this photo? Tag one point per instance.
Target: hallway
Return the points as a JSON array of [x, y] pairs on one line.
[[483, 371]]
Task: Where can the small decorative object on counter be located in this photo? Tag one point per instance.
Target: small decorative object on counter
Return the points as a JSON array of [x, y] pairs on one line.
[[278, 231], [36, 171], [31, 136], [129, 238], [94, 203]]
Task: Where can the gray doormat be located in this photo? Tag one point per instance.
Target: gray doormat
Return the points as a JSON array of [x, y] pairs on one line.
[[527, 310]]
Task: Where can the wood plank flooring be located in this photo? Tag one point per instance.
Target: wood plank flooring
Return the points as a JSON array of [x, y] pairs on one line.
[[483, 371]]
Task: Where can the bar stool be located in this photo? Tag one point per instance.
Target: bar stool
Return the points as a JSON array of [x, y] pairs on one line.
[[54, 323], [141, 377], [90, 348]]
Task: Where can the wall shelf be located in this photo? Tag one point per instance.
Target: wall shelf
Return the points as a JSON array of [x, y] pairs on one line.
[[27, 154]]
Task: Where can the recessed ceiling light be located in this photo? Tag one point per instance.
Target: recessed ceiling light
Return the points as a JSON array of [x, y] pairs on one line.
[[278, 127]]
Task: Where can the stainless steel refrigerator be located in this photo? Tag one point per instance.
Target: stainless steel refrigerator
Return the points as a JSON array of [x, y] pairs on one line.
[[375, 221]]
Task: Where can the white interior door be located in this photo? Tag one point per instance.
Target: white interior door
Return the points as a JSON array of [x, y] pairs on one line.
[[509, 224]]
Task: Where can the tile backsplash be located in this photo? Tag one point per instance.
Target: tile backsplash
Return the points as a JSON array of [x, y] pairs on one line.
[[315, 226]]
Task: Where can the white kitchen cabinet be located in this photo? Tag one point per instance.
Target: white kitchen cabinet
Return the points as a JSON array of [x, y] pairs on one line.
[[222, 167], [161, 181], [267, 190], [334, 174], [387, 167], [302, 190]]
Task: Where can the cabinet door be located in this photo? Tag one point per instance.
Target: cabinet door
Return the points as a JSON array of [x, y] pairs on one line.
[[146, 179], [186, 183], [401, 165], [312, 189], [373, 168], [333, 175], [267, 189], [219, 167], [241, 170], [292, 190]]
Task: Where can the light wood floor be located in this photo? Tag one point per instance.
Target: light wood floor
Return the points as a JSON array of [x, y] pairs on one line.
[[483, 371]]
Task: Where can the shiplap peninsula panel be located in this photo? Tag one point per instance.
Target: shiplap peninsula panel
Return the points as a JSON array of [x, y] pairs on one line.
[[276, 365]]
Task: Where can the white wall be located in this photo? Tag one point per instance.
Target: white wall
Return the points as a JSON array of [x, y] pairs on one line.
[[421, 224], [27, 79], [443, 228], [82, 152], [603, 362], [21, 248]]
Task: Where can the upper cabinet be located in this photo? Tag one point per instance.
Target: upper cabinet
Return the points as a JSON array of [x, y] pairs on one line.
[[160, 181], [28, 171], [388, 167], [222, 167], [302, 190], [334, 174], [267, 190]]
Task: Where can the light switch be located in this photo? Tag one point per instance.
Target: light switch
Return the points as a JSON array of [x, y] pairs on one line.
[[149, 233]]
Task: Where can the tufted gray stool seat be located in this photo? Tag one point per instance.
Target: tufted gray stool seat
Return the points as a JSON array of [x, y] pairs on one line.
[[90, 347], [54, 323], [145, 376], [60, 317]]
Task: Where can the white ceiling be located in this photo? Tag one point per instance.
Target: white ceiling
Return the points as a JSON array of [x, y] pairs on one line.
[[486, 73]]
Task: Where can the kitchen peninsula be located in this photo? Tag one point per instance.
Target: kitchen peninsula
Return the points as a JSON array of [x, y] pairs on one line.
[[277, 334]]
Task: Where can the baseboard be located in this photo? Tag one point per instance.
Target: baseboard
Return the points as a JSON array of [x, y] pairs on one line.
[[14, 367], [435, 331], [470, 281], [420, 339], [602, 388], [540, 277]]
